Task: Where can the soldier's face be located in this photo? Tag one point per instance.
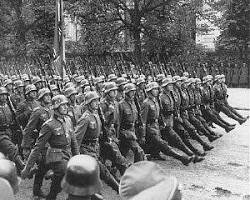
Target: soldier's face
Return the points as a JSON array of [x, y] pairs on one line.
[[3, 97], [63, 109], [155, 92], [169, 87], [131, 94], [94, 104], [47, 98], [33, 94], [178, 84], [113, 93], [9, 87]]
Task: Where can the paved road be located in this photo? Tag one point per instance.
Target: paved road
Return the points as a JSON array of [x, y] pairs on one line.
[[223, 175]]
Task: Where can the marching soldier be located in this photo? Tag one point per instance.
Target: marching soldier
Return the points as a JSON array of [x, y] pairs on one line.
[[58, 133], [128, 119], [88, 131], [54, 90], [7, 123], [150, 115], [168, 106], [18, 97], [110, 110], [207, 111], [82, 179], [39, 115], [74, 110], [140, 92], [185, 118], [220, 97], [120, 82]]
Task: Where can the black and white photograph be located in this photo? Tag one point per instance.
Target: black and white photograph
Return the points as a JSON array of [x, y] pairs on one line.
[[124, 100]]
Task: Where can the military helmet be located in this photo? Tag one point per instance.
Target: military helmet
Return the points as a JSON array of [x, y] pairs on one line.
[[66, 79], [205, 79], [121, 81], [68, 85], [78, 79], [19, 83], [14, 78], [8, 171], [59, 100], [109, 86], [84, 82], [149, 79], [142, 76], [82, 176], [3, 90], [176, 78], [152, 85], [169, 76], [160, 77], [166, 81], [112, 77], [87, 89], [29, 88], [217, 77], [43, 92], [97, 80], [70, 91], [7, 82], [124, 75], [140, 80], [191, 80], [129, 87], [36, 80], [54, 87], [102, 77], [197, 80], [6, 190], [90, 96]]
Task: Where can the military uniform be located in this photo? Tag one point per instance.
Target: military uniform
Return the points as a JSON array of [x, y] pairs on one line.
[[150, 114], [88, 131], [74, 112], [168, 132], [220, 103], [7, 126], [110, 149], [38, 117], [58, 133], [128, 117]]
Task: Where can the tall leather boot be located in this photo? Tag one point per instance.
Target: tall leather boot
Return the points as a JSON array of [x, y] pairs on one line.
[[171, 152], [55, 188], [193, 149]]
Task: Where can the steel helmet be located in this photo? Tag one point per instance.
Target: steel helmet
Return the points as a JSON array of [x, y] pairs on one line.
[[36, 80], [87, 89], [78, 79], [7, 82], [129, 87], [53, 87], [84, 82], [124, 75], [68, 85], [6, 190], [66, 79], [217, 77], [176, 78], [42, 92], [191, 80], [142, 76], [59, 100], [82, 176], [140, 80], [3, 90], [167, 81], [109, 86], [70, 91], [112, 77], [8, 171], [121, 81], [205, 79], [97, 80], [160, 77], [19, 83], [14, 78], [152, 85], [90, 96], [197, 80], [29, 88]]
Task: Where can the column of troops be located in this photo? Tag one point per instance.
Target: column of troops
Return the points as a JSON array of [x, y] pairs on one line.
[[116, 120]]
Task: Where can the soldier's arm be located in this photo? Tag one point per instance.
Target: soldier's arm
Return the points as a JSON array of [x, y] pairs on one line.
[[28, 139], [81, 128], [144, 115], [44, 136], [74, 145]]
